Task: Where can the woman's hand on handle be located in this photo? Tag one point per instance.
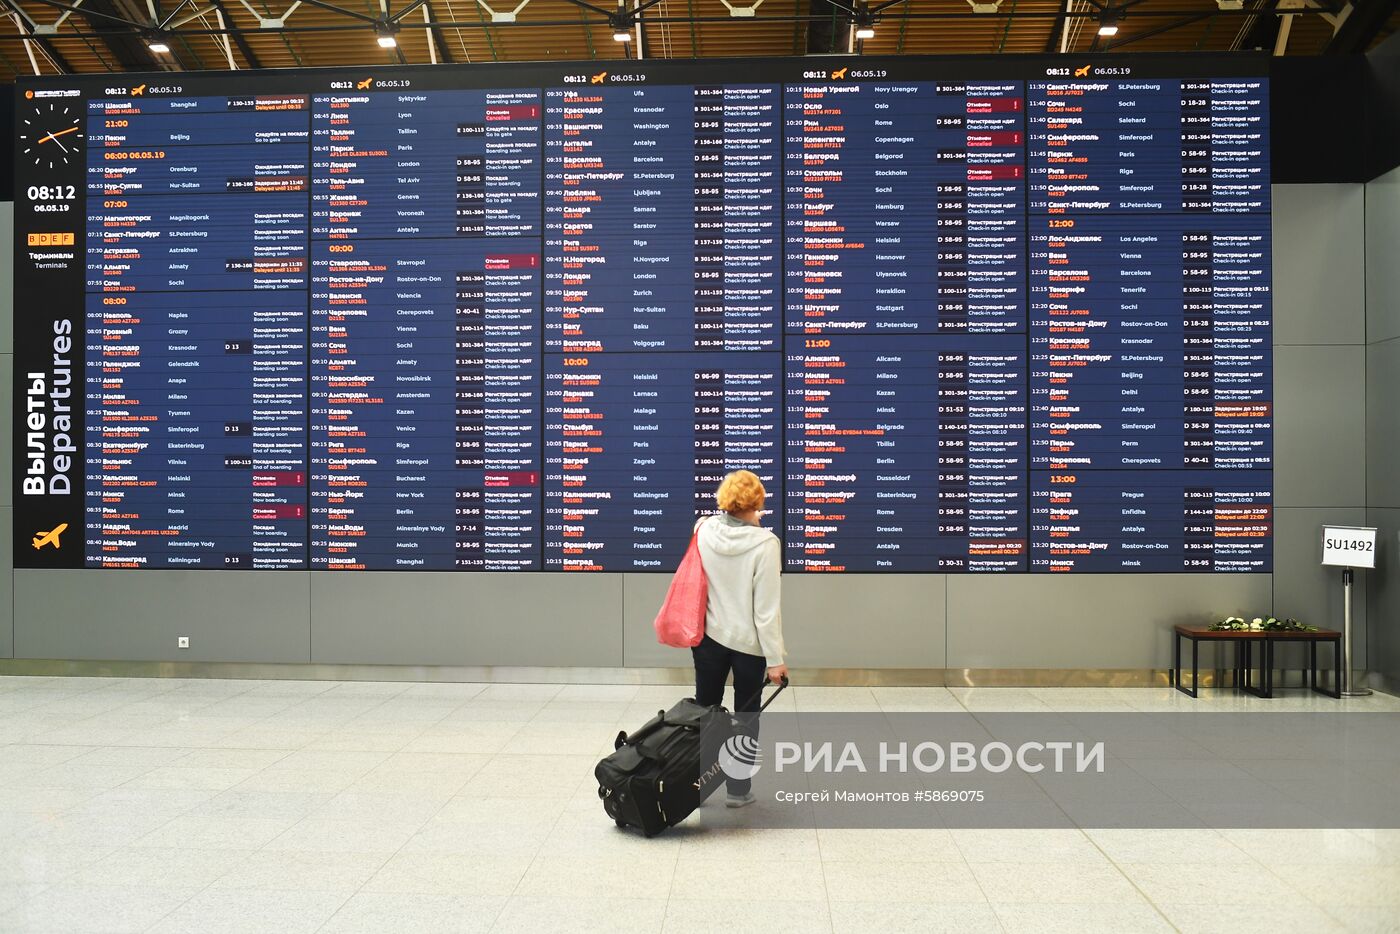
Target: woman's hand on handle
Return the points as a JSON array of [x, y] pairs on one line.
[[777, 674]]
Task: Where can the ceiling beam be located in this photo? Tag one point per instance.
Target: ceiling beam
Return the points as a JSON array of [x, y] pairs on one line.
[[123, 33], [443, 50], [1263, 32], [1053, 40], [54, 55], [1158, 30], [120, 33], [236, 34], [823, 21]]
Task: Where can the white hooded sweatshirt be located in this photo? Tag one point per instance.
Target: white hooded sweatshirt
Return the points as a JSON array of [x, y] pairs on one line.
[[742, 563]]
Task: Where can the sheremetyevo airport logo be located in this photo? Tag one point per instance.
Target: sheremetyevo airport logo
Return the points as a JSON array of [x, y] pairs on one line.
[[740, 757]]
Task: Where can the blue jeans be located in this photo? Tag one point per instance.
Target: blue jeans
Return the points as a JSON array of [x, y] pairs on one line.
[[713, 663]]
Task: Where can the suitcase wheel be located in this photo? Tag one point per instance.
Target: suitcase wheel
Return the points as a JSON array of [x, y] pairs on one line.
[[619, 822]]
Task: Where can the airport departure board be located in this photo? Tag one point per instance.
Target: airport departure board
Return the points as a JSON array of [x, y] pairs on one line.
[[962, 315]]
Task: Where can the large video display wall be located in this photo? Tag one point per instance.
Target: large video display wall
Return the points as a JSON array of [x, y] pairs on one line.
[[961, 315]]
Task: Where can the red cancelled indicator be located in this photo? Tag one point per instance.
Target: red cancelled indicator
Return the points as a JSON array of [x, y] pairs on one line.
[[1005, 138], [512, 478], [513, 112], [512, 261], [984, 105], [993, 173], [279, 478], [279, 511]]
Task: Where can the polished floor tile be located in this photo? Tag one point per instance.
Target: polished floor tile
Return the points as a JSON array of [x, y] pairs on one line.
[[219, 911], [1195, 918], [572, 915], [284, 806], [107, 909], [1055, 883], [431, 873], [704, 915], [863, 917], [377, 913], [1080, 918], [345, 873], [899, 845]]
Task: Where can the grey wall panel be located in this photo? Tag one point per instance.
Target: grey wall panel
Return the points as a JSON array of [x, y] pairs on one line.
[[7, 279], [1319, 428], [467, 619], [1383, 595], [1319, 264], [1383, 421], [1382, 270], [865, 621], [7, 583], [1303, 588], [1094, 621], [641, 598], [7, 450], [1383, 424], [230, 616]]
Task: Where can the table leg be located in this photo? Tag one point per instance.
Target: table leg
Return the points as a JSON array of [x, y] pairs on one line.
[[1312, 665], [1266, 677], [1195, 669], [1337, 668], [1176, 661]]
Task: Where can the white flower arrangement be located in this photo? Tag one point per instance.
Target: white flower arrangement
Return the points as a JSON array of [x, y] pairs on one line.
[[1260, 624]]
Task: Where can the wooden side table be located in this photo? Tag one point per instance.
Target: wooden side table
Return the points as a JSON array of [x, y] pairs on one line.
[[1197, 634], [1313, 639], [1244, 642]]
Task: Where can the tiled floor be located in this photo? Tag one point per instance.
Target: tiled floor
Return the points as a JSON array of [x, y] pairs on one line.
[[288, 806]]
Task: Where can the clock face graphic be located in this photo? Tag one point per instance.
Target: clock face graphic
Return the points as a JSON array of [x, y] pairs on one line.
[[51, 134]]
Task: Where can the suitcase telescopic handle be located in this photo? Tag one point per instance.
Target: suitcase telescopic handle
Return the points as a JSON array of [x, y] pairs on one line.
[[771, 697]]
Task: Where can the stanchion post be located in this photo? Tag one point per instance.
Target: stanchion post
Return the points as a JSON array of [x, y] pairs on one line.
[[1349, 688], [1348, 547]]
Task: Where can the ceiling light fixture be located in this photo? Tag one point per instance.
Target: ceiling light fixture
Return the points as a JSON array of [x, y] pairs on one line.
[[1108, 24], [156, 43], [864, 24], [622, 30], [384, 33]]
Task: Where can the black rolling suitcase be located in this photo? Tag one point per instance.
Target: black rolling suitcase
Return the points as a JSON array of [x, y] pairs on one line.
[[654, 778]]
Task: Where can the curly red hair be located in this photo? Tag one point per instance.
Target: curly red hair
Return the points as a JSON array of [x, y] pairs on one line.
[[740, 492]]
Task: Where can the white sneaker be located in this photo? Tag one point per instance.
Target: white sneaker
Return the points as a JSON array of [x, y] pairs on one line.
[[739, 801]]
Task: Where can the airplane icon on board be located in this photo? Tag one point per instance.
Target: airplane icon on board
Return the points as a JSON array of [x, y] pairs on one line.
[[364, 85], [598, 78], [138, 90], [1083, 72], [50, 537], [838, 74]]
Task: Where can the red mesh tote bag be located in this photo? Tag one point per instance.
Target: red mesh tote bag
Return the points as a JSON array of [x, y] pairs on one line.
[[681, 622]]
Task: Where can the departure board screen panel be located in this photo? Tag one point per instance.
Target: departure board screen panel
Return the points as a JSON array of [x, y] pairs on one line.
[[961, 315]]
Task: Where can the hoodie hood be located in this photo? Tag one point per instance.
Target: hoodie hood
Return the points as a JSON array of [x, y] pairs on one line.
[[725, 535]]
